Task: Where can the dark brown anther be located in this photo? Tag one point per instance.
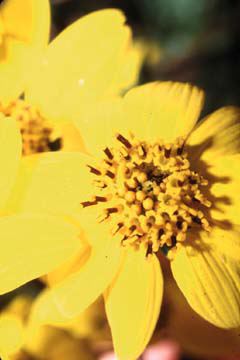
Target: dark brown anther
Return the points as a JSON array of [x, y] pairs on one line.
[[88, 203], [192, 181], [94, 170], [100, 199], [111, 210], [110, 174], [180, 150], [149, 249], [108, 153], [174, 240], [160, 233], [108, 162], [196, 220], [143, 150], [179, 224], [124, 141], [167, 153], [132, 228], [120, 225]]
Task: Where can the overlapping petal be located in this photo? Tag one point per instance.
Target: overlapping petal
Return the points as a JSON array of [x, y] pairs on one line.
[[25, 32], [224, 189], [216, 135], [10, 153], [210, 282], [73, 295], [33, 245], [133, 303], [154, 111], [53, 183], [101, 35]]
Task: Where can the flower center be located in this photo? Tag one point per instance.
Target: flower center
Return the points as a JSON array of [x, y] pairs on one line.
[[37, 134], [152, 196]]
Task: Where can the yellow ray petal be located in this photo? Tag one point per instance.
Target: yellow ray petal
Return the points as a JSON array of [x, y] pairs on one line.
[[73, 295], [33, 246], [216, 135], [154, 111], [210, 282], [224, 240], [55, 183], [163, 110], [133, 303], [101, 35], [10, 153], [99, 124], [225, 189], [11, 333], [26, 26]]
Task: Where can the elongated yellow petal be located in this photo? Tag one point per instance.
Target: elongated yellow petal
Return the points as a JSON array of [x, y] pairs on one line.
[[26, 26], [225, 180], [73, 295], [55, 183], [11, 333], [151, 112], [10, 152], [100, 123], [224, 240], [163, 110], [218, 134], [210, 282], [32, 246], [101, 35], [133, 303]]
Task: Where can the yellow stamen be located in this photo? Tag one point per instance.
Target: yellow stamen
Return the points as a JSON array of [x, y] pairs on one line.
[[155, 196], [37, 133]]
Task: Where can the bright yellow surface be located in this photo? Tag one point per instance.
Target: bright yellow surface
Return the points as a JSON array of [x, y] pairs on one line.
[[96, 47], [32, 246], [72, 296], [10, 152], [210, 282], [24, 32], [151, 112], [133, 304]]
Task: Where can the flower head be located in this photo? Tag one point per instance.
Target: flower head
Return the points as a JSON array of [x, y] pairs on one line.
[[155, 182]]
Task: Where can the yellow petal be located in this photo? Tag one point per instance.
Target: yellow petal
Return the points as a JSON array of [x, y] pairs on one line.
[[154, 111], [10, 152], [206, 341], [26, 26], [163, 110], [72, 296], [224, 190], [55, 183], [217, 135], [33, 246], [133, 303], [99, 124], [77, 78], [224, 240], [210, 282], [11, 334]]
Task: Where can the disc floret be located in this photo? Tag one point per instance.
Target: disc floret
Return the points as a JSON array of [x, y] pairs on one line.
[[152, 196]]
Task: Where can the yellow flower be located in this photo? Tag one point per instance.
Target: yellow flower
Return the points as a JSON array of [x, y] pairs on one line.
[[31, 245], [155, 181], [24, 32], [19, 342], [91, 59]]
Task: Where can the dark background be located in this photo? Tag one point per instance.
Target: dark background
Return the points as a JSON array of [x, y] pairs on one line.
[[199, 40]]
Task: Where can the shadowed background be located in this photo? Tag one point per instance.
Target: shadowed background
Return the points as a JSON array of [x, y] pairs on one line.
[[199, 40]]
